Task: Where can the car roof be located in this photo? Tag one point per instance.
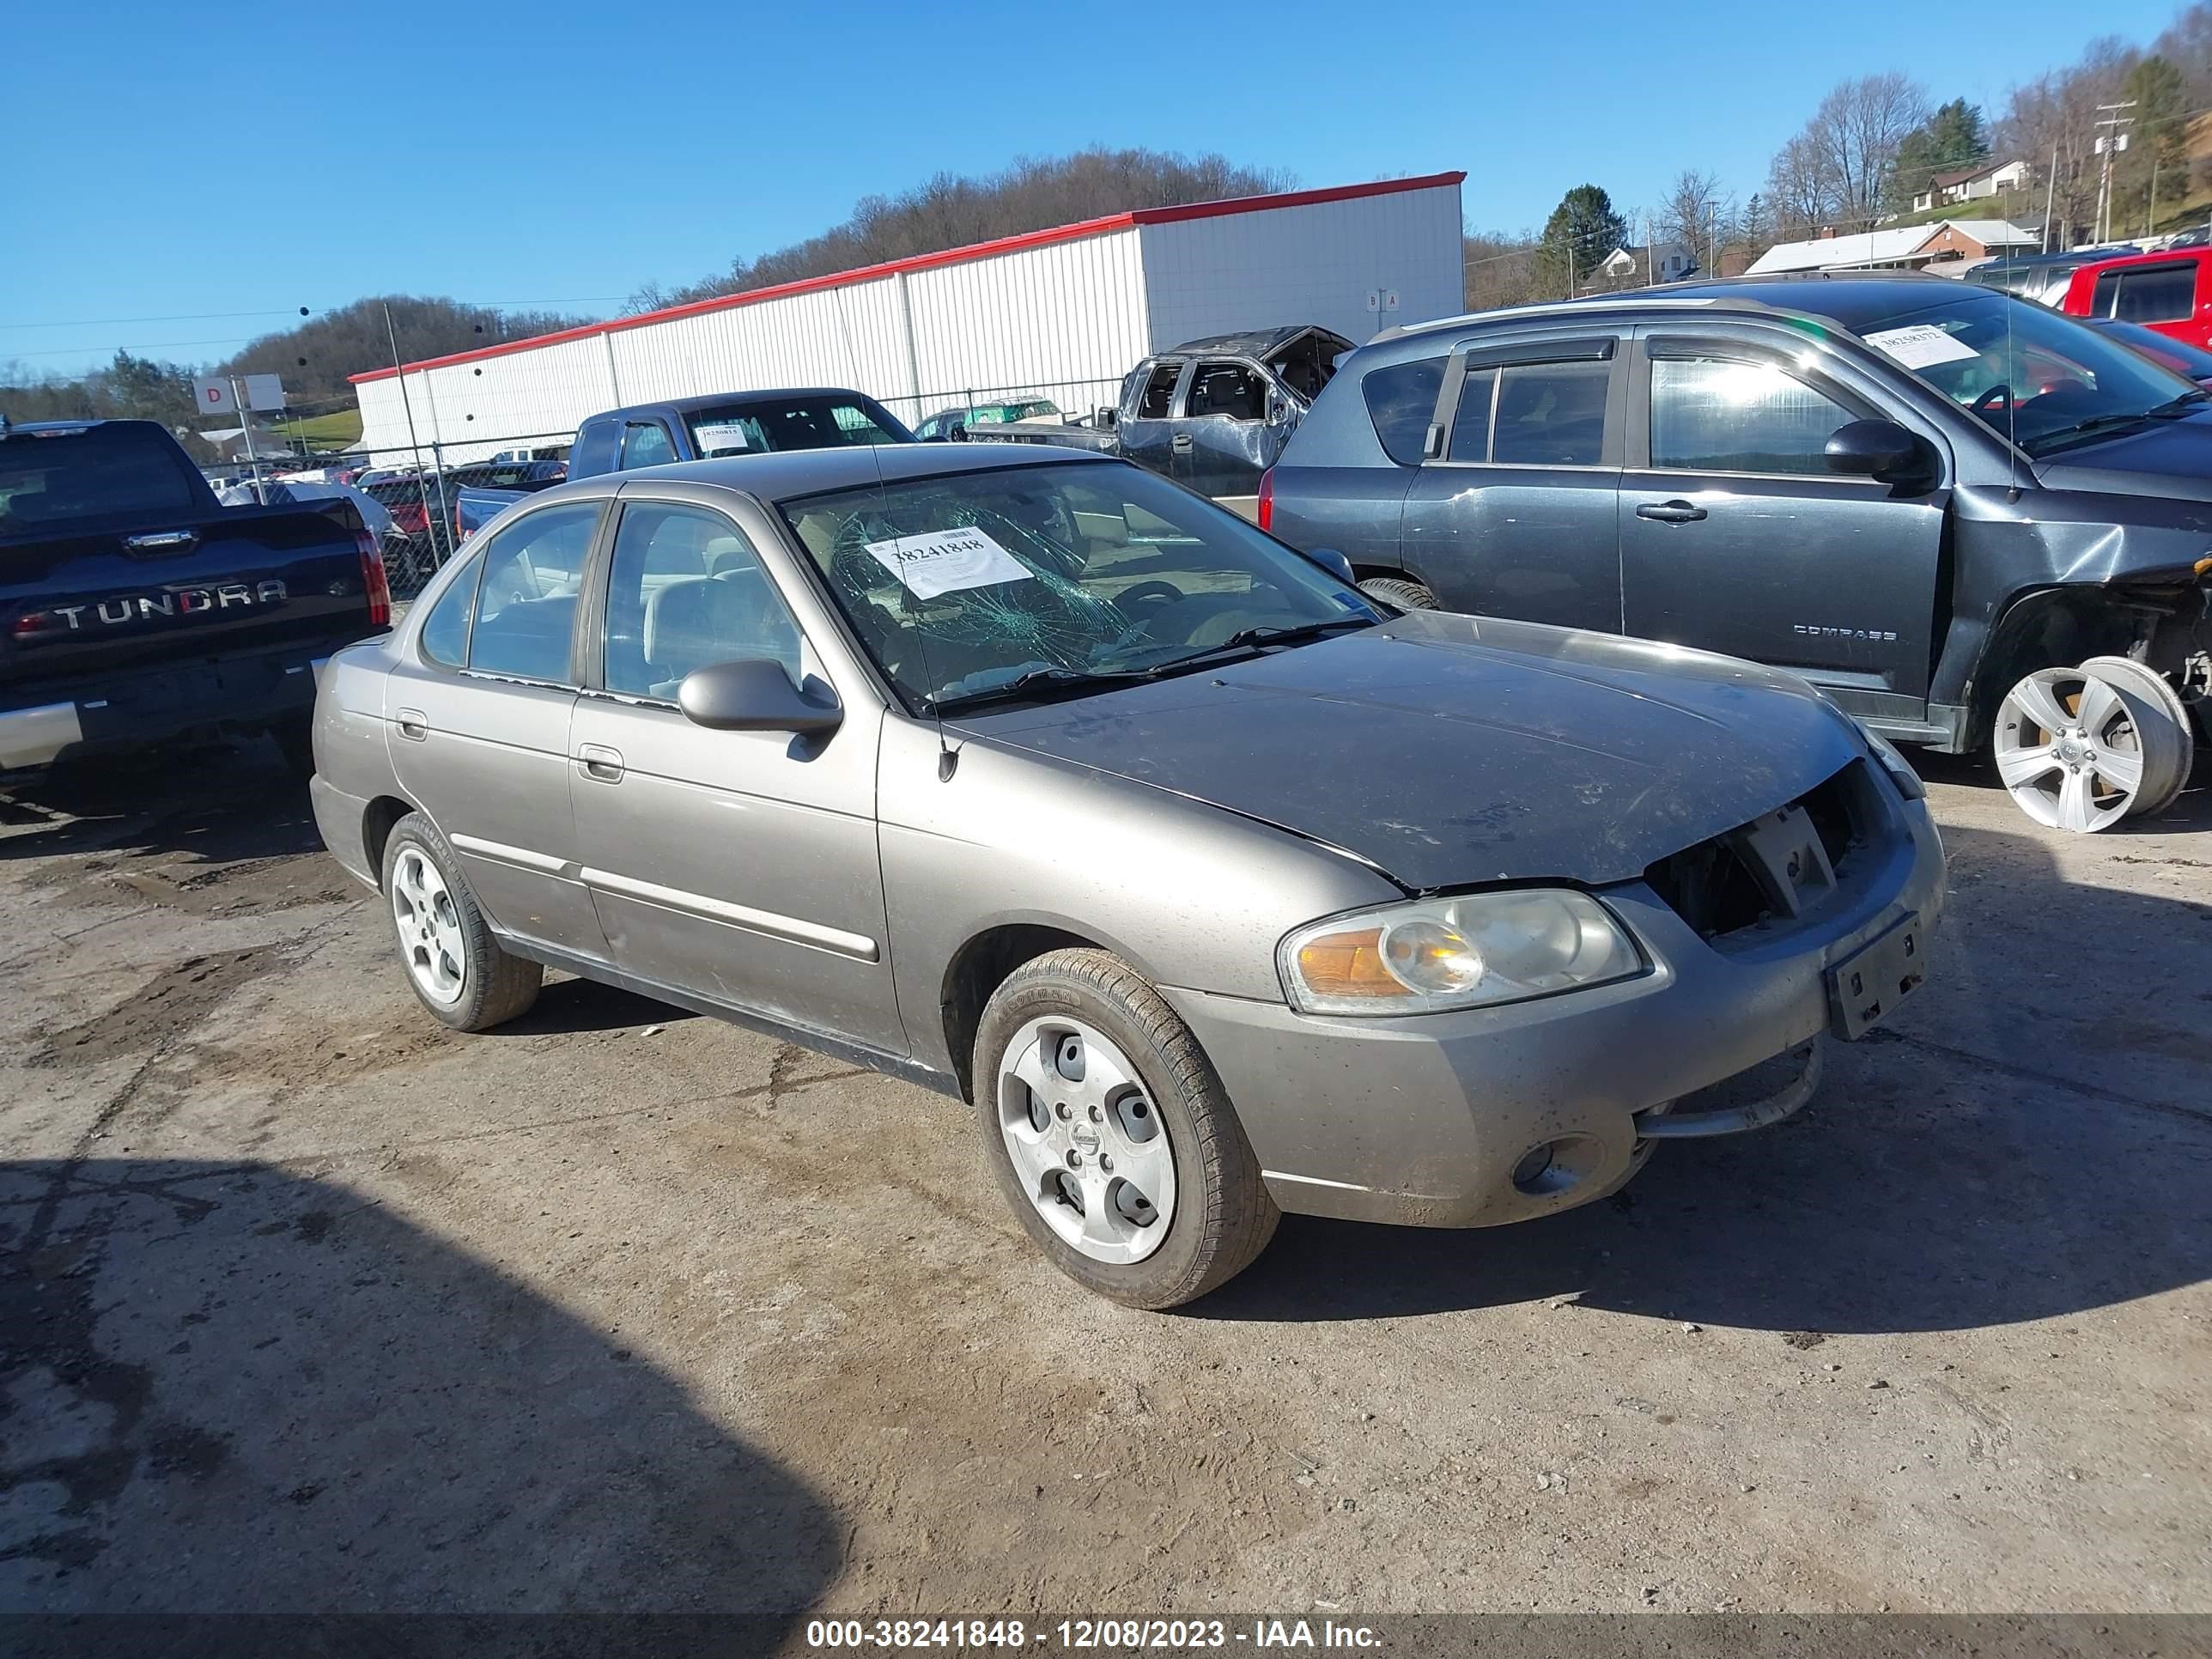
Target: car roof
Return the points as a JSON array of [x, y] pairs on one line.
[[35, 428], [2196, 254], [1849, 298], [692, 405], [782, 474], [1256, 342]]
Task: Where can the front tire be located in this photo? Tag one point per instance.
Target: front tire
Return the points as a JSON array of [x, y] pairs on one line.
[[455, 962], [1401, 592], [1111, 1135]]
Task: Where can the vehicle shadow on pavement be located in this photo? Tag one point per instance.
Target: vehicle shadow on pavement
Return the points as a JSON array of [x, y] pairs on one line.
[[2031, 1138], [585, 1004], [226, 1388], [218, 804]]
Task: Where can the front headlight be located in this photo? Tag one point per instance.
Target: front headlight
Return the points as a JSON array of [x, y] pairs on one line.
[[1472, 952], [1900, 769]]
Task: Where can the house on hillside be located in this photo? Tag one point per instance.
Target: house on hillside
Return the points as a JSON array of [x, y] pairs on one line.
[[1947, 247], [1971, 184], [1662, 261]]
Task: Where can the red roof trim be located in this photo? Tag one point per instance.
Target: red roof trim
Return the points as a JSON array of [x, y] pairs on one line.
[[951, 256]]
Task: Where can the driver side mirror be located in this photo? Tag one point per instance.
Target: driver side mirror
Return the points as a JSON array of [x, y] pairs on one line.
[[755, 694], [1335, 563], [1278, 409], [1879, 449]]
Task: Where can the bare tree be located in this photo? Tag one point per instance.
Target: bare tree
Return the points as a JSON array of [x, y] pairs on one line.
[[1798, 198], [1698, 213], [1836, 171]]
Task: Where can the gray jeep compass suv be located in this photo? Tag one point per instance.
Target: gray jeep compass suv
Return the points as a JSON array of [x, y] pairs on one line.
[[1974, 523]]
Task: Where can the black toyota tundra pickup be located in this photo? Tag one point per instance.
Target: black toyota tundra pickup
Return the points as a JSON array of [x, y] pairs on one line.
[[134, 610]]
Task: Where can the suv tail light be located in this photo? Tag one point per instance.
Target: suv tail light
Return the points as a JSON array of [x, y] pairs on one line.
[[1267, 500], [374, 582]]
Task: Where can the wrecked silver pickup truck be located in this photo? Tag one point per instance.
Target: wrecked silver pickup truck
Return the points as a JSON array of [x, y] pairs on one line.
[[1211, 414]]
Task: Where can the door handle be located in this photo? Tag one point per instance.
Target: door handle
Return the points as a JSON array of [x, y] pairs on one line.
[[596, 760], [414, 725], [1180, 443], [160, 541], [1671, 512]]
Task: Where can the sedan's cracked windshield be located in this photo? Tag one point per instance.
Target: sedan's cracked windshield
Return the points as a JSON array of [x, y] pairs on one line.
[[981, 585]]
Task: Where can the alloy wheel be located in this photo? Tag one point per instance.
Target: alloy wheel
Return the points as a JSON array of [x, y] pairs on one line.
[[429, 928], [1086, 1141], [2077, 753]]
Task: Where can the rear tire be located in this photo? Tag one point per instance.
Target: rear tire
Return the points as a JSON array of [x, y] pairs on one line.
[[1401, 592], [455, 963], [1211, 1203]]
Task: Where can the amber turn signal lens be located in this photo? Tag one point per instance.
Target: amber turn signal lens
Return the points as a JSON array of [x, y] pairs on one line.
[[1348, 964]]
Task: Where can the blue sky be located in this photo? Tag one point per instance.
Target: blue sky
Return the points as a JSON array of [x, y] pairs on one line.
[[562, 155]]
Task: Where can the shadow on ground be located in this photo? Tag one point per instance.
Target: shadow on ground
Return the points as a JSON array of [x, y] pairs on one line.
[[2032, 1138], [217, 804], [228, 1388]]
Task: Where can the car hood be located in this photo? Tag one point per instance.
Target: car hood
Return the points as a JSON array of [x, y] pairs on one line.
[[1448, 750], [2170, 457]]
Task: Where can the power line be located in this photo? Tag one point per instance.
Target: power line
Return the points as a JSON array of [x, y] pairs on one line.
[[291, 311]]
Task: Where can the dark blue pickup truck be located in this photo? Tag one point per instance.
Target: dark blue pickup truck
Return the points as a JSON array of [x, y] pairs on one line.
[[135, 610], [700, 429]]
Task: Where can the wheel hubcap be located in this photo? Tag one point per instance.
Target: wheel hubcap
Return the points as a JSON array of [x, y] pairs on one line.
[[429, 928], [1086, 1140], [2069, 748]]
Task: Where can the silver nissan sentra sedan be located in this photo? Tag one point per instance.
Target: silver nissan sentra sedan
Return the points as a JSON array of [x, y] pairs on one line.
[[1219, 888]]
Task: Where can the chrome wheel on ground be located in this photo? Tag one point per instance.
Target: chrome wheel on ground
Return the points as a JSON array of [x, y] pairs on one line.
[[429, 928], [1086, 1141], [2078, 752], [2155, 690]]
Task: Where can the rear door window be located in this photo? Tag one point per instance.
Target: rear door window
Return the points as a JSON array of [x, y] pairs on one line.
[[2151, 294], [526, 593], [1551, 414], [1401, 401], [646, 443], [1158, 402]]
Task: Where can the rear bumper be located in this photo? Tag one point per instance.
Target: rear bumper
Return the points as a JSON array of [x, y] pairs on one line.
[[135, 707], [1421, 1120]]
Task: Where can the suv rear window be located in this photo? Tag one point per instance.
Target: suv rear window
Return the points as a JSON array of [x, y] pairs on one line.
[[56, 478], [1401, 401]]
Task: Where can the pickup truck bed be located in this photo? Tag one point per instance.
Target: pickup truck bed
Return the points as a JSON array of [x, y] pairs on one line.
[[134, 610]]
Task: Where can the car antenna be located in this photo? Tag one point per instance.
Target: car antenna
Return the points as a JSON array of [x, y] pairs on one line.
[[2011, 410], [948, 757]]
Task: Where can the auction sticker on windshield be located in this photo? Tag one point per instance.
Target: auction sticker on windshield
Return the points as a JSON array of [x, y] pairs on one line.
[[1920, 345], [946, 560]]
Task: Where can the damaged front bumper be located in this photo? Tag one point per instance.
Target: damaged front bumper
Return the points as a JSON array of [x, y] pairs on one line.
[[1500, 1115]]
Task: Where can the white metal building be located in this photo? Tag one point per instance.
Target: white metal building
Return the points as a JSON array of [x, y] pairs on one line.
[[1060, 313]]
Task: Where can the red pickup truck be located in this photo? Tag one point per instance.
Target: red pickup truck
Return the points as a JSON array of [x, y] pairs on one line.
[[2171, 292]]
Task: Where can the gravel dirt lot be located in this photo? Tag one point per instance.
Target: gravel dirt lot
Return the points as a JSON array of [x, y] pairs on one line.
[[307, 1304]]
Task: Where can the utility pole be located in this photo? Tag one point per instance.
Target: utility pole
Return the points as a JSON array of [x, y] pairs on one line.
[[2109, 144], [2050, 196]]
